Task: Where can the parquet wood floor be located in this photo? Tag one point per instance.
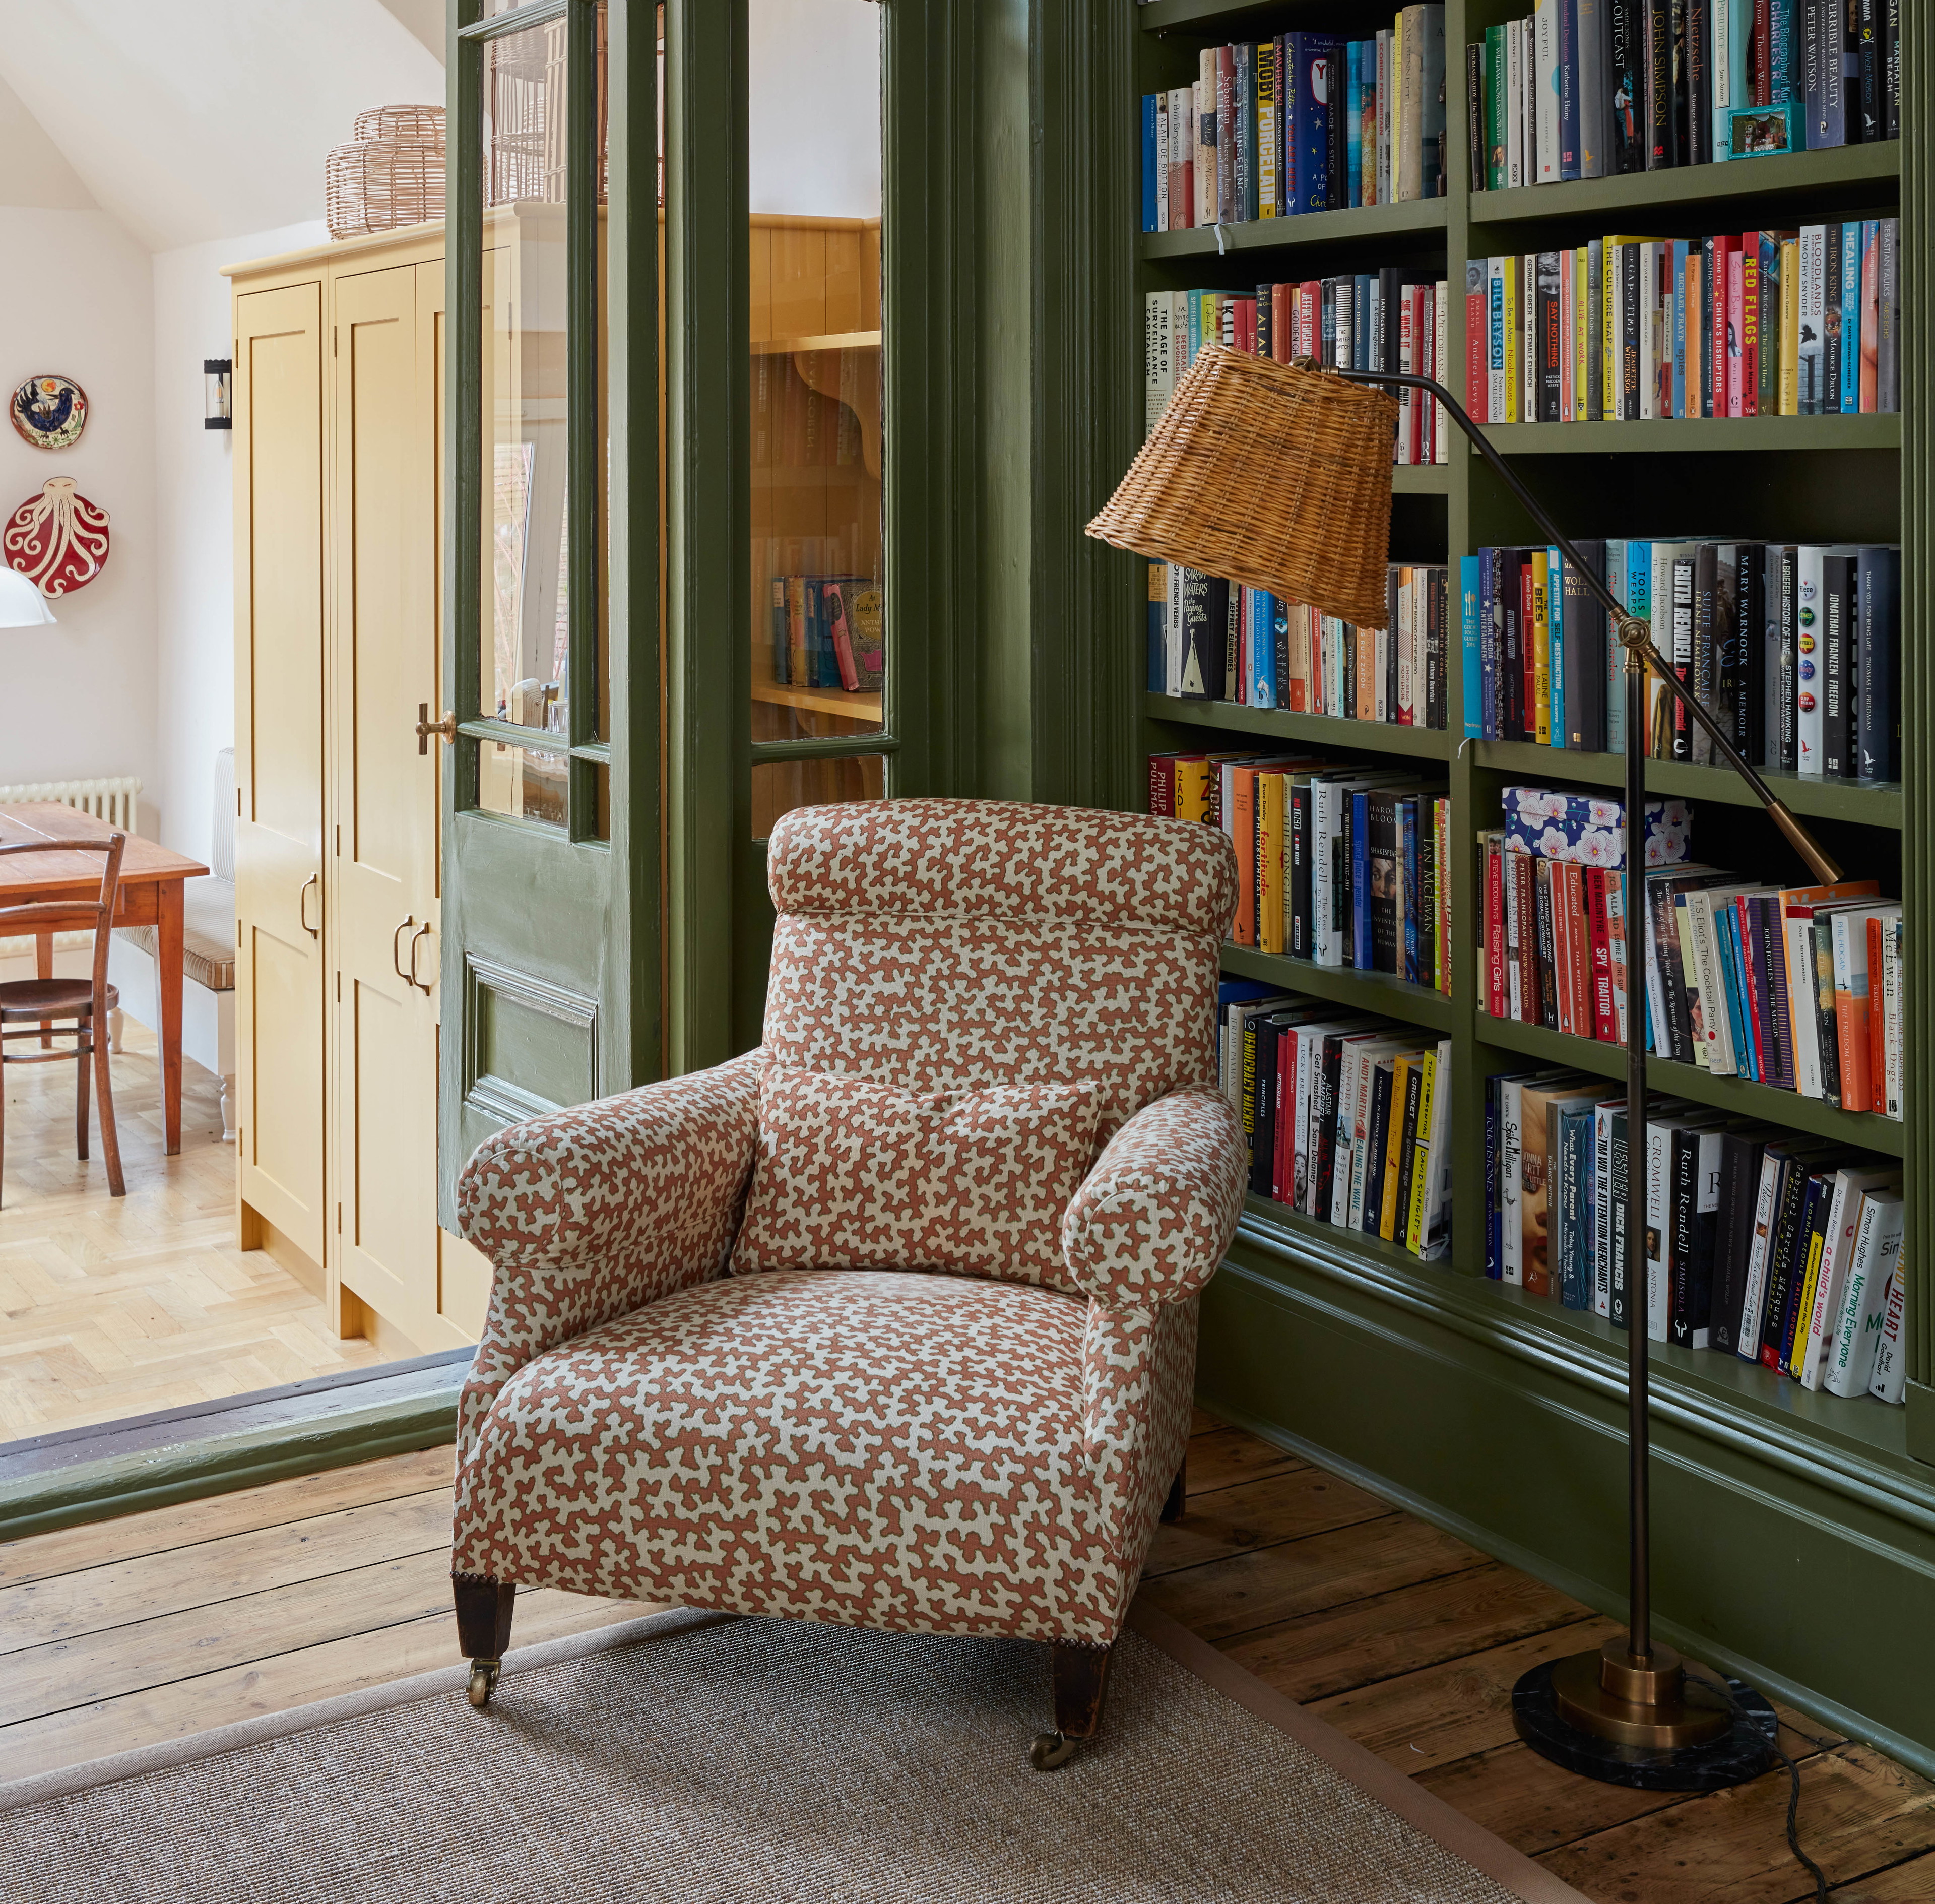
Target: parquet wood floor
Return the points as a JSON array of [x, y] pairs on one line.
[[166, 1623], [113, 1307]]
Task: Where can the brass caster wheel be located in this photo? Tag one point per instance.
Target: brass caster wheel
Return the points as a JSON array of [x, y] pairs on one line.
[[1050, 1750], [483, 1682]]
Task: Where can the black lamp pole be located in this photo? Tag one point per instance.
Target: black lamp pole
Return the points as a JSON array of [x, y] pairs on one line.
[[1628, 1713]]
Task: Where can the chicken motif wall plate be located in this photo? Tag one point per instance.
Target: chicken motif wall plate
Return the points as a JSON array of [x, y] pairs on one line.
[[49, 412], [57, 540]]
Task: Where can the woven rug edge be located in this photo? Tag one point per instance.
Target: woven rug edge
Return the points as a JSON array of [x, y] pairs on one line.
[[166, 1754]]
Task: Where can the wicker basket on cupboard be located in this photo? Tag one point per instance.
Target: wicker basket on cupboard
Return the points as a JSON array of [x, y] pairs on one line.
[[391, 175]]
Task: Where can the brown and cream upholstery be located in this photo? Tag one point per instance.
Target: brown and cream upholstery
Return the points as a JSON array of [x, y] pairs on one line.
[[892, 1322]]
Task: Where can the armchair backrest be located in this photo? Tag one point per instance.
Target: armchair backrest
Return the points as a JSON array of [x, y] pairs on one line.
[[939, 944]]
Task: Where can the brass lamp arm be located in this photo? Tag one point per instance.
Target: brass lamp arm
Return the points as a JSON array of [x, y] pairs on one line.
[[1634, 635]]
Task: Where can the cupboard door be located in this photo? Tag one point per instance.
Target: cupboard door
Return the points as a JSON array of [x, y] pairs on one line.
[[384, 646], [278, 760]]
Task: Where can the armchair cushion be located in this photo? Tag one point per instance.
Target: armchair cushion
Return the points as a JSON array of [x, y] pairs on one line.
[[853, 1173], [907, 1452]]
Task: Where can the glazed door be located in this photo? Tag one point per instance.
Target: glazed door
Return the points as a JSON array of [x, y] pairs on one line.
[[278, 762], [550, 940]]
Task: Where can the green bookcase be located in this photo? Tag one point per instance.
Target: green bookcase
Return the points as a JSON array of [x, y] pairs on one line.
[[1793, 1529]]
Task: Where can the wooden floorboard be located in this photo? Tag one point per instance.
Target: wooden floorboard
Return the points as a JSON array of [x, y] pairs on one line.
[[150, 1628]]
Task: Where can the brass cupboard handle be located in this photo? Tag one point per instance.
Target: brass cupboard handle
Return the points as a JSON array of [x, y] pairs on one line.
[[396, 951], [302, 905], [414, 938], [426, 726]]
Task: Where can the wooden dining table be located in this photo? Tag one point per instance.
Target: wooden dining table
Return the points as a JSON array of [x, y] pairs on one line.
[[150, 894]]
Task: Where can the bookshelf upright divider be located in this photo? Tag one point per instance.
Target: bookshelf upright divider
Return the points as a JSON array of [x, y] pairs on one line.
[[1775, 479]]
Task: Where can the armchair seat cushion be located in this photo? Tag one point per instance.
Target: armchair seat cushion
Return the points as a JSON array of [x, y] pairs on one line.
[[865, 1448]]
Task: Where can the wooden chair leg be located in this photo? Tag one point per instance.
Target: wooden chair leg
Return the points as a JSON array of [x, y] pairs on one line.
[[1179, 1493], [103, 1093], [80, 1068], [483, 1609], [1080, 1677]]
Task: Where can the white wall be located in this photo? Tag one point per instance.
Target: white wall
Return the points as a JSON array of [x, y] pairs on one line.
[[79, 696], [812, 87], [194, 594]]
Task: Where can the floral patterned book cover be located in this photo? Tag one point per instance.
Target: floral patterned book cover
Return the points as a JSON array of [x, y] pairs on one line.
[[1588, 828]]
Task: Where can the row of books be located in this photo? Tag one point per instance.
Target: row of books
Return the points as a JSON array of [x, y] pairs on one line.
[[1782, 1250], [1805, 322], [1385, 320], [1346, 1117], [1585, 89], [828, 631], [1799, 988], [1210, 640], [1336, 864], [1794, 648], [1301, 123]]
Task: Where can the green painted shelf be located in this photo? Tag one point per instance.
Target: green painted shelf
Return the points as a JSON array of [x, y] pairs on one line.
[[1320, 730], [1685, 436], [1226, 19], [1737, 1095], [1870, 805], [1364, 991], [1843, 178], [1414, 218], [1751, 1401]]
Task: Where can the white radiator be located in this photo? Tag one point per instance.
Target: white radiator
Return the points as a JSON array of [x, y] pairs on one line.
[[116, 799]]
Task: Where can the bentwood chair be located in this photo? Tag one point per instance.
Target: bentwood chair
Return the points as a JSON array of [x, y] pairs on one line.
[[29, 1006], [966, 1415]]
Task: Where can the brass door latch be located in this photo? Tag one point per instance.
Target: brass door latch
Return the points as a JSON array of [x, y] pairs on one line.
[[426, 726]]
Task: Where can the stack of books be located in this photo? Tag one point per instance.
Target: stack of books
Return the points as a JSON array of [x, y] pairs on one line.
[[1345, 1117], [1210, 640], [1390, 319], [1301, 123], [1799, 988], [1795, 647], [828, 631], [1801, 322], [1342, 865], [1781, 1250], [1584, 88]]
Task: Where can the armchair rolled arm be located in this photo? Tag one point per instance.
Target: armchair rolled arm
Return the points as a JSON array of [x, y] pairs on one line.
[[1152, 1219], [661, 1169]]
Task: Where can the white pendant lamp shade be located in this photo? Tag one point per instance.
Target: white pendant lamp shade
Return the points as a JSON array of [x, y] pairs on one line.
[[22, 604]]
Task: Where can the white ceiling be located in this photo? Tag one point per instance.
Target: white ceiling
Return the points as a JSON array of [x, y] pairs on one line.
[[201, 118]]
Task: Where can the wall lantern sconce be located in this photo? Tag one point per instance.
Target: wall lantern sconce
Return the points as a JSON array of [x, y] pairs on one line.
[[217, 374]]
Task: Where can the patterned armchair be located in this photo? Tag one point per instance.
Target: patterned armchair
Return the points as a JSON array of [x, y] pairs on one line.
[[884, 1447]]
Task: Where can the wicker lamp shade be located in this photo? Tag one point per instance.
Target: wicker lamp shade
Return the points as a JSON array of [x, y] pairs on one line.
[[419, 125], [1269, 474]]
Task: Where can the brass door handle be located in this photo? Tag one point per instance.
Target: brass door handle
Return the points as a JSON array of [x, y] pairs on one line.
[[396, 951], [426, 726], [302, 905], [414, 938]]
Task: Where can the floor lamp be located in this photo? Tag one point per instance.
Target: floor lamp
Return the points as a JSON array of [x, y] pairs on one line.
[[1279, 475]]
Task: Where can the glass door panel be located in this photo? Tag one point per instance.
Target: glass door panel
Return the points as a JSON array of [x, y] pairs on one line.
[[818, 638]]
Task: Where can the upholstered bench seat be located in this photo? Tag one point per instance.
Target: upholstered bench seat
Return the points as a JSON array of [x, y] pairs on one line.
[[208, 934]]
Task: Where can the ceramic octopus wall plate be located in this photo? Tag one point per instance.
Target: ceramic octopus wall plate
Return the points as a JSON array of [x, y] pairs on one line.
[[57, 540], [49, 412]]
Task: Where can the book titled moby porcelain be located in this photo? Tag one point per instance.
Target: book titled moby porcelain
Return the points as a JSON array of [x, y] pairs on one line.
[[1589, 829]]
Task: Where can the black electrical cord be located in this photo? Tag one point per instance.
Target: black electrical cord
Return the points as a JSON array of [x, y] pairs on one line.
[[1794, 1818], [1814, 1870]]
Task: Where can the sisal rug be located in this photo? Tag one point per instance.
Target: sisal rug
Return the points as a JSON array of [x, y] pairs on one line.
[[695, 1760]]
